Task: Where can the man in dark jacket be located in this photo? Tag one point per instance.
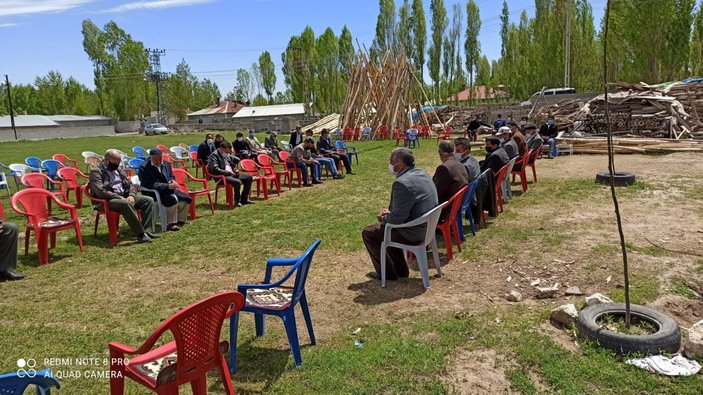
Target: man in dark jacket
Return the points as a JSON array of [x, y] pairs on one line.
[[206, 148], [462, 147], [157, 175], [496, 157], [8, 252], [413, 194], [296, 137], [242, 148], [450, 175], [109, 182], [507, 143], [326, 147], [474, 126], [223, 163], [549, 132]]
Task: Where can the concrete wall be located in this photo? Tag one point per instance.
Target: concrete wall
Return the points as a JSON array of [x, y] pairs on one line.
[[127, 126], [284, 124], [52, 132]]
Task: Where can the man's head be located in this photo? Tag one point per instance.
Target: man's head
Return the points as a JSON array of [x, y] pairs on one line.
[[219, 137], [503, 133], [308, 143], [298, 128], [513, 126], [530, 129], [252, 134], [500, 116], [550, 119], [225, 147], [156, 157], [274, 134], [325, 133], [462, 146], [524, 119], [401, 158], [446, 150], [113, 159], [240, 136], [308, 133], [492, 143], [208, 138]]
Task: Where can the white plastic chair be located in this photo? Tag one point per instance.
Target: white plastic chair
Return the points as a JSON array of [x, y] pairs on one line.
[[162, 209], [3, 184], [366, 133], [506, 189], [431, 218], [286, 145], [20, 169], [179, 152]]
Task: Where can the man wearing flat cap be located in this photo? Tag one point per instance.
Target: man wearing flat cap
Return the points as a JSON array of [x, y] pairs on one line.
[[157, 174]]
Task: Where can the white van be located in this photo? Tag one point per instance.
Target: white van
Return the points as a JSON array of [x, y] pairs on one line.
[[551, 95]]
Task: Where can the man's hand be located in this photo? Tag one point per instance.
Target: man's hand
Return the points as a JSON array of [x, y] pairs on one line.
[[314, 162], [130, 200], [382, 214], [173, 185]]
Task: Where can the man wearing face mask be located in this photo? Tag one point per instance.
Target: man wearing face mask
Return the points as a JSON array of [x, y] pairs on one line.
[[450, 175], [507, 143], [496, 157], [534, 140], [463, 155], [549, 132], [518, 137], [523, 122], [413, 194], [223, 163], [325, 146], [296, 137], [206, 148], [157, 175], [255, 144], [111, 183], [242, 148], [271, 143]]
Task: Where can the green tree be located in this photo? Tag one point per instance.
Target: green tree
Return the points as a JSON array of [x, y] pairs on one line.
[[283, 97], [242, 91], [386, 37], [504, 24], [50, 94], [405, 29], [94, 46], [206, 93], [268, 73], [79, 99], [696, 50], [24, 99], [472, 48], [418, 26], [434, 53], [259, 100], [483, 72], [346, 52], [256, 78], [327, 72], [180, 91]]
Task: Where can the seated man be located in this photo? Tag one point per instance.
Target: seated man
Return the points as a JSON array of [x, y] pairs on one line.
[[496, 157], [413, 194], [157, 175], [271, 143], [450, 175], [534, 140], [474, 126], [328, 162], [223, 163], [302, 158], [218, 140], [549, 132], [519, 138], [325, 147], [242, 148], [206, 148], [463, 155], [111, 183], [507, 142], [255, 144], [8, 252]]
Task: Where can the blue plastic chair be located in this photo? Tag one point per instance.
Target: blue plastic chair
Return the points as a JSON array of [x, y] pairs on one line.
[[34, 163], [411, 137], [348, 149], [135, 164], [141, 152], [276, 299], [13, 384], [52, 168], [193, 148], [466, 208]]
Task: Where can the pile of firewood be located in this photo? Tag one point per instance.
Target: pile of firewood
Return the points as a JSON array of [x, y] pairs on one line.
[[638, 145]]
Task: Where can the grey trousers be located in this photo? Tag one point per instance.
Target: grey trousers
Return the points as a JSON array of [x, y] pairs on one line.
[[143, 203], [8, 246], [177, 213]]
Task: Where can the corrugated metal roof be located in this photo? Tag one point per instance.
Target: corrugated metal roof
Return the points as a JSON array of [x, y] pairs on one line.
[[23, 121], [225, 107], [66, 118], [271, 111]]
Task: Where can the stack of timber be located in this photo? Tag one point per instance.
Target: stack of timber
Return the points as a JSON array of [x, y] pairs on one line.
[[637, 145], [378, 93], [329, 122]]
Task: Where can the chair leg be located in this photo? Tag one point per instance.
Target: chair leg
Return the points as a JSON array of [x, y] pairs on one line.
[[233, 331], [446, 233], [306, 315], [383, 264], [212, 207], [460, 226], [435, 256], [226, 379], [42, 240], [79, 236], [421, 256], [191, 210], [117, 381], [292, 332], [26, 241], [199, 385], [455, 230], [52, 240], [259, 324], [97, 219]]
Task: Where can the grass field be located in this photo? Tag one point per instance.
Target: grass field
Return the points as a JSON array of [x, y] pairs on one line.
[[459, 336]]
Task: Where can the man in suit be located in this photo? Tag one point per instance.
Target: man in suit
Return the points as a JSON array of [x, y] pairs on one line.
[[496, 157], [301, 156], [450, 175], [111, 183], [255, 144], [534, 140], [157, 175], [206, 148], [463, 155], [325, 147], [296, 137], [328, 162], [507, 142], [518, 137], [413, 194], [271, 143], [8, 252], [549, 132], [223, 163]]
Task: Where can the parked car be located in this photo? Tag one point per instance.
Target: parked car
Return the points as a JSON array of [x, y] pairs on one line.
[[550, 96], [153, 129]]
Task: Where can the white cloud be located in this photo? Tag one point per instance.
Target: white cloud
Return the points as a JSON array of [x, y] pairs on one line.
[[23, 7], [157, 4], [7, 25]]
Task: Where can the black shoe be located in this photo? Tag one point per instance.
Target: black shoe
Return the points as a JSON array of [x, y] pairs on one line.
[[179, 223], [10, 276], [338, 176], [316, 182], [152, 235], [248, 202], [173, 228], [351, 173], [144, 239], [238, 205], [373, 275]]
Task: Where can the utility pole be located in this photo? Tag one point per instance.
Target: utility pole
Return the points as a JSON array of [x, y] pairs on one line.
[[157, 76], [567, 46], [9, 101]]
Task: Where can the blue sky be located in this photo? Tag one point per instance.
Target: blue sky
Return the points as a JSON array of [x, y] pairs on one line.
[[215, 37]]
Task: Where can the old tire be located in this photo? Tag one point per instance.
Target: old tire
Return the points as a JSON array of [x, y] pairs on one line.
[[622, 179], [666, 338]]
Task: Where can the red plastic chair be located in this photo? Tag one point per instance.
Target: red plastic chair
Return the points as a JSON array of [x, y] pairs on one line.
[[446, 134], [65, 160], [382, 133], [500, 176], [449, 225], [113, 217], [31, 203], [357, 134], [194, 162], [70, 175], [425, 131], [347, 134], [399, 136], [268, 163], [527, 161], [291, 167], [221, 183], [41, 181], [2, 213], [251, 168], [195, 350], [182, 178]]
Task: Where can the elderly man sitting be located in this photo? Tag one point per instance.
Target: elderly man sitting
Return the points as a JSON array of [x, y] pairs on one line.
[[157, 175], [111, 183]]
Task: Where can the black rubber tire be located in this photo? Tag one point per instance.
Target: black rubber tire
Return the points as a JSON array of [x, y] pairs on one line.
[[667, 338], [622, 179]]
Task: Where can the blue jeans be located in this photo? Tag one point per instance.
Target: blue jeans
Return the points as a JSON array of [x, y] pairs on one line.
[[552, 147], [314, 171], [328, 163]]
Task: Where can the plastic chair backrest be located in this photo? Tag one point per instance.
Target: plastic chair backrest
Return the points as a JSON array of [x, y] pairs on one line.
[[184, 146], [179, 152], [139, 151], [164, 149], [182, 176], [470, 192], [52, 167], [70, 175], [340, 144], [366, 131], [303, 267], [65, 160], [285, 144], [35, 180], [93, 161], [136, 163], [34, 202], [265, 160], [250, 167], [193, 148], [283, 155], [412, 133], [193, 155], [20, 169], [88, 154], [33, 161], [456, 203], [535, 153]]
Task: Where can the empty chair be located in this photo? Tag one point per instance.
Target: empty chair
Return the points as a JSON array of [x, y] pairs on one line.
[[141, 152], [32, 203], [42, 181], [65, 160], [11, 174], [180, 155], [34, 163], [182, 178], [449, 226], [366, 133], [70, 175], [268, 162], [382, 132], [52, 167], [16, 383], [19, 170], [195, 350], [4, 184], [412, 137]]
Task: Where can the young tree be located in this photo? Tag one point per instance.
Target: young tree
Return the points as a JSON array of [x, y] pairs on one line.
[[50, 94], [472, 47], [268, 73], [405, 28], [242, 91], [418, 26], [483, 72], [434, 53], [327, 51], [504, 24], [206, 94], [256, 78], [385, 39], [696, 56]]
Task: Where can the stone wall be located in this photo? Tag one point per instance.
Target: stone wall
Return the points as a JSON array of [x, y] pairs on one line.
[[52, 132]]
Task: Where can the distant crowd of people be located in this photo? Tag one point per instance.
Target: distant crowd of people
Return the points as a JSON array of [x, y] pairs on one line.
[[548, 133]]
